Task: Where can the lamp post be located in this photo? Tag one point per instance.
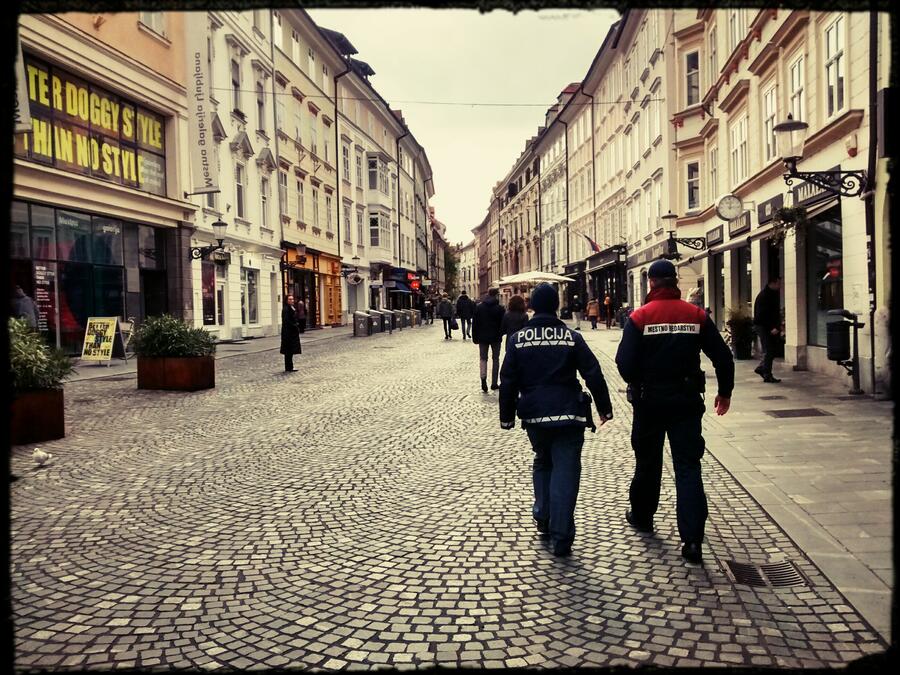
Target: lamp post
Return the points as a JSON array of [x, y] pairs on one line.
[[203, 252], [790, 138], [696, 243]]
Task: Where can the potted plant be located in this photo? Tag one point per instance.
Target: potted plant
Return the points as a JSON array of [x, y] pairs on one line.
[[739, 333], [36, 375], [173, 355]]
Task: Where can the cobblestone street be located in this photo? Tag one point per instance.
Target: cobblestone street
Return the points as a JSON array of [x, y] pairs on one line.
[[368, 510]]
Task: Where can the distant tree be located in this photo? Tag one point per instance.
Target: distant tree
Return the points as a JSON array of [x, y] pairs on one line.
[[451, 270]]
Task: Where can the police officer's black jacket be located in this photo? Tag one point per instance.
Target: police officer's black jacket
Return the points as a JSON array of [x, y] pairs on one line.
[[662, 340], [538, 379], [767, 309]]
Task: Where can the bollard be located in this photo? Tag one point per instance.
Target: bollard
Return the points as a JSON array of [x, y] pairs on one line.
[[836, 350]]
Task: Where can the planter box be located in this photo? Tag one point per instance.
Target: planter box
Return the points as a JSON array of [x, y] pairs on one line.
[[743, 352], [37, 416], [190, 373]]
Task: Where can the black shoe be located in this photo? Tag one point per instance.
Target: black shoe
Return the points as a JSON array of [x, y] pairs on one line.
[[637, 524], [290, 370], [484, 385], [495, 386], [543, 526], [771, 378], [561, 550], [692, 553], [759, 371]]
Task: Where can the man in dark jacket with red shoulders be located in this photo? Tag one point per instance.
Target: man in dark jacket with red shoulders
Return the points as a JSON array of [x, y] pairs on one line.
[[539, 382], [659, 358]]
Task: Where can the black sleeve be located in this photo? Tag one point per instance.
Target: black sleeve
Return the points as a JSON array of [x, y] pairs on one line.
[[509, 388], [589, 368], [628, 354], [714, 347]]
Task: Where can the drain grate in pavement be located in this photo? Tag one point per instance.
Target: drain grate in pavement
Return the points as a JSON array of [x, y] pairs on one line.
[[776, 575], [798, 412], [119, 378], [774, 397], [851, 397]]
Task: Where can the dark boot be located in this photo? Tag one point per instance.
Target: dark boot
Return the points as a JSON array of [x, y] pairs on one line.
[[692, 553], [484, 384], [640, 526]]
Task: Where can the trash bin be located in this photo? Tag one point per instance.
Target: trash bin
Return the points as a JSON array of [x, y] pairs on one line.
[[362, 324], [408, 315], [837, 335], [417, 317], [389, 320], [399, 316], [377, 320]]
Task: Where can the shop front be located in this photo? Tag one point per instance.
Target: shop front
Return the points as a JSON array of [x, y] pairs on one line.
[[75, 265], [396, 282], [606, 276], [638, 264], [715, 276], [576, 272]]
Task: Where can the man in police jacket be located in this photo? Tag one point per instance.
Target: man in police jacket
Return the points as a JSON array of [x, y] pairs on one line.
[[659, 358], [539, 382]]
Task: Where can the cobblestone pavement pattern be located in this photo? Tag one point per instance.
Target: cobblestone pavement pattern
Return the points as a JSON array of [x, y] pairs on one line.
[[368, 510]]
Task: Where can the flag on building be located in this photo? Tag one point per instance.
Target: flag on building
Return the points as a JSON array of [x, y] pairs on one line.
[[594, 247]]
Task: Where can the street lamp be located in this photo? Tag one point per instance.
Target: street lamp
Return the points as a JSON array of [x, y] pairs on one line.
[[790, 138], [696, 243], [292, 264], [202, 252]]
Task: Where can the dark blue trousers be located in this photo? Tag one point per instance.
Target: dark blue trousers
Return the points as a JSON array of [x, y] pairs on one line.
[[681, 422], [556, 473]]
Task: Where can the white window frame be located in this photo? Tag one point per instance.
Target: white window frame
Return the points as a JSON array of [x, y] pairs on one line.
[[345, 159], [315, 198], [240, 196], [360, 230], [329, 221], [260, 106], [740, 162], [692, 79], [836, 64], [797, 80], [713, 56], [301, 198], [278, 31], [295, 47], [282, 192], [311, 63], [769, 117], [235, 66], [714, 171], [154, 21], [264, 202], [692, 185]]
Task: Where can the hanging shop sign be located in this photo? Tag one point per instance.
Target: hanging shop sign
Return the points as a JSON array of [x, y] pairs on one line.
[[99, 338], [203, 149], [715, 236], [739, 225], [766, 211], [78, 127]]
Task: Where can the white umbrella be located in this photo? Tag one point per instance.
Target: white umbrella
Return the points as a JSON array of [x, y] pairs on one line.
[[534, 277]]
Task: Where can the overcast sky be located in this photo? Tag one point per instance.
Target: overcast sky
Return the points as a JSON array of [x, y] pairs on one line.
[[465, 57]]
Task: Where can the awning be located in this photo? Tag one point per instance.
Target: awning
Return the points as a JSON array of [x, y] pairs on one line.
[[821, 207], [400, 288]]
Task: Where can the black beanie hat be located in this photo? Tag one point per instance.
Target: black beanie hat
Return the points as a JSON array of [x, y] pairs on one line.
[[544, 299]]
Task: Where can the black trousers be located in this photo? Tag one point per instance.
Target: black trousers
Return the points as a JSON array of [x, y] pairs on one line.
[[288, 362], [767, 343], [681, 422], [446, 327], [466, 328]]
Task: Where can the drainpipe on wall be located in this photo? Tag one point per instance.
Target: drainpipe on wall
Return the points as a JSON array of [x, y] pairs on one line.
[[337, 163], [538, 218], [400, 168], [282, 208], [566, 126], [870, 187], [593, 168]]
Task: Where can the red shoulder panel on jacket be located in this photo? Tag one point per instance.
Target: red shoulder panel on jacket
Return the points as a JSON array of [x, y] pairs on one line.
[[667, 311]]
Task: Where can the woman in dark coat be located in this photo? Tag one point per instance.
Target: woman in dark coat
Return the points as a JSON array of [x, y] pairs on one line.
[[515, 318], [290, 334]]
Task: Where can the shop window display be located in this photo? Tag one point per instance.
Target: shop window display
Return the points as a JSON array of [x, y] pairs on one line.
[[825, 275]]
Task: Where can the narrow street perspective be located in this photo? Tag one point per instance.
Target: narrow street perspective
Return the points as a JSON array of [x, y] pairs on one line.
[[406, 337], [386, 520]]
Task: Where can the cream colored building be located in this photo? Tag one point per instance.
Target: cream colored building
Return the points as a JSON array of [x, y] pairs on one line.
[[468, 268], [740, 72], [99, 223], [551, 149]]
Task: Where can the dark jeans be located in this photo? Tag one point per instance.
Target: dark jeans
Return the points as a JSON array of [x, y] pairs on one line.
[[446, 327], [466, 328], [593, 322], [767, 343], [302, 321], [681, 422], [609, 319], [556, 473], [288, 362], [495, 361]]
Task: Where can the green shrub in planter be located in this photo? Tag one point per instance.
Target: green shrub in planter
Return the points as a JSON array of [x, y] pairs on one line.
[[740, 333], [33, 364], [37, 371], [166, 336]]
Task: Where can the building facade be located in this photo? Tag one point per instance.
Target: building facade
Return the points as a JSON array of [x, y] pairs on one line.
[[468, 268], [740, 72], [99, 224]]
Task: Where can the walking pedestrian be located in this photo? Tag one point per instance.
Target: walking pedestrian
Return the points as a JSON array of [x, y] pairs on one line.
[[576, 308], [290, 334], [695, 296], [659, 358], [538, 383], [515, 317], [301, 315], [487, 334], [445, 312], [608, 311], [429, 310], [465, 310], [593, 312], [767, 324]]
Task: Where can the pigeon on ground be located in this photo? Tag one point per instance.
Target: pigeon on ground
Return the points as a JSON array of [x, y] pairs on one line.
[[41, 457]]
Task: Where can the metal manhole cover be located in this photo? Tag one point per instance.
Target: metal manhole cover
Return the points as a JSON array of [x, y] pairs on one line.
[[775, 575], [798, 412], [772, 398]]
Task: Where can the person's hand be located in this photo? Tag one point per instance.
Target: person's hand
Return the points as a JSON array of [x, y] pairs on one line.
[[722, 405], [775, 331]]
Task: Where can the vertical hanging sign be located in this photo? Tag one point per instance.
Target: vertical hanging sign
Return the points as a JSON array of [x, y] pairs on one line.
[[22, 109], [202, 148]]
